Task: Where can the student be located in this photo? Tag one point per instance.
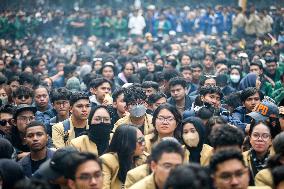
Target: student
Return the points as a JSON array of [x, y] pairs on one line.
[[150, 87], [97, 139], [86, 172], [64, 132], [125, 151], [165, 156], [99, 88], [36, 138], [228, 170], [119, 105], [135, 99], [155, 100], [178, 98], [6, 116]]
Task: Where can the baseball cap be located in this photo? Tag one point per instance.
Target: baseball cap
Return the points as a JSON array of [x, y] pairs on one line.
[[57, 166], [265, 110], [24, 107]]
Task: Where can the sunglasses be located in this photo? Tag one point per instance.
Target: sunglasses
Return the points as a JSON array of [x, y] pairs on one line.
[[3, 122], [23, 96]]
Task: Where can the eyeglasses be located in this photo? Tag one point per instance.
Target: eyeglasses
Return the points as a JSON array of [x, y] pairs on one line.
[[228, 176], [4, 122], [102, 119], [89, 177], [264, 136], [167, 119], [64, 103], [140, 140], [25, 119], [168, 166], [20, 97]]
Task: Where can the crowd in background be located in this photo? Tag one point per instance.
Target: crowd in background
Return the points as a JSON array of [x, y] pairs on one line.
[[108, 98]]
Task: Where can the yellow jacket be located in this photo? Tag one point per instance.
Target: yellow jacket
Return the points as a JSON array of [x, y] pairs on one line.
[[205, 155], [148, 126], [111, 167], [84, 144], [259, 187], [264, 178], [136, 174], [58, 134], [146, 183]]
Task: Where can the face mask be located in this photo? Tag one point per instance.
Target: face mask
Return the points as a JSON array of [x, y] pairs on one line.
[[137, 111], [4, 100], [235, 78], [191, 139], [99, 132]]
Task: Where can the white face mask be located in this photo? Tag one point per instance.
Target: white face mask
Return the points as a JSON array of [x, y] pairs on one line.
[[191, 139], [235, 78], [4, 100]]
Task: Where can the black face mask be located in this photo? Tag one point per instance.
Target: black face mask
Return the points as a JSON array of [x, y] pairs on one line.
[[99, 134]]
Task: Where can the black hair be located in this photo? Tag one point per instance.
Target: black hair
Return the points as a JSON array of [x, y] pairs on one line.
[[134, 93], [23, 90], [35, 62], [221, 61], [35, 124], [61, 93], [13, 78], [225, 155], [278, 175], [211, 122], [166, 146], [124, 144], [123, 66], [204, 78], [233, 100], [68, 69], [178, 177], [150, 84], [26, 78], [185, 68], [6, 149], [9, 109], [76, 96], [210, 90], [80, 158], [116, 93], [182, 54], [226, 136], [278, 143], [93, 110], [3, 79], [10, 172], [42, 86], [90, 77], [153, 98], [211, 55], [176, 115], [177, 81], [196, 66], [257, 63], [32, 183], [173, 63], [250, 91], [95, 83], [107, 66], [169, 74]]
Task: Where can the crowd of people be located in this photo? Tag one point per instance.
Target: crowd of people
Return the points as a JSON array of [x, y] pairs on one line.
[[174, 98]]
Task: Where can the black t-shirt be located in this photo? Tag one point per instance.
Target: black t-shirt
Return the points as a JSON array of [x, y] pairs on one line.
[[36, 164], [79, 131]]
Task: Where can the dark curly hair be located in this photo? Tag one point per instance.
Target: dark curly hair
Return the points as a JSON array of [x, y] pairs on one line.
[[134, 93]]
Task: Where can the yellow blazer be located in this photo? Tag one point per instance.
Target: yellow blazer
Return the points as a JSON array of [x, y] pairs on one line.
[[259, 187], [58, 134], [205, 155], [84, 144], [148, 126], [146, 183], [110, 171], [111, 167], [136, 174], [264, 178]]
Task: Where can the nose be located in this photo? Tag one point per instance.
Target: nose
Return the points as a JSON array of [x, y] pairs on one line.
[[234, 181]]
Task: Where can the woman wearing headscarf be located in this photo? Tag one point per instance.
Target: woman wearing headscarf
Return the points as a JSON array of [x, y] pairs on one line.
[[193, 137]]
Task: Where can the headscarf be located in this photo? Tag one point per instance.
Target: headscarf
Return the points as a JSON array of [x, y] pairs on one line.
[[248, 81]]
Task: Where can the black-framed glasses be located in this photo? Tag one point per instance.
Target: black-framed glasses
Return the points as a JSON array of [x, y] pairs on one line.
[[4, 122]]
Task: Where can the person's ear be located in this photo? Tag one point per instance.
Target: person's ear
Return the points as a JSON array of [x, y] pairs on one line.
[[202, 98], [71, 183], [114, 104], [14, 122], [153, 166]]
